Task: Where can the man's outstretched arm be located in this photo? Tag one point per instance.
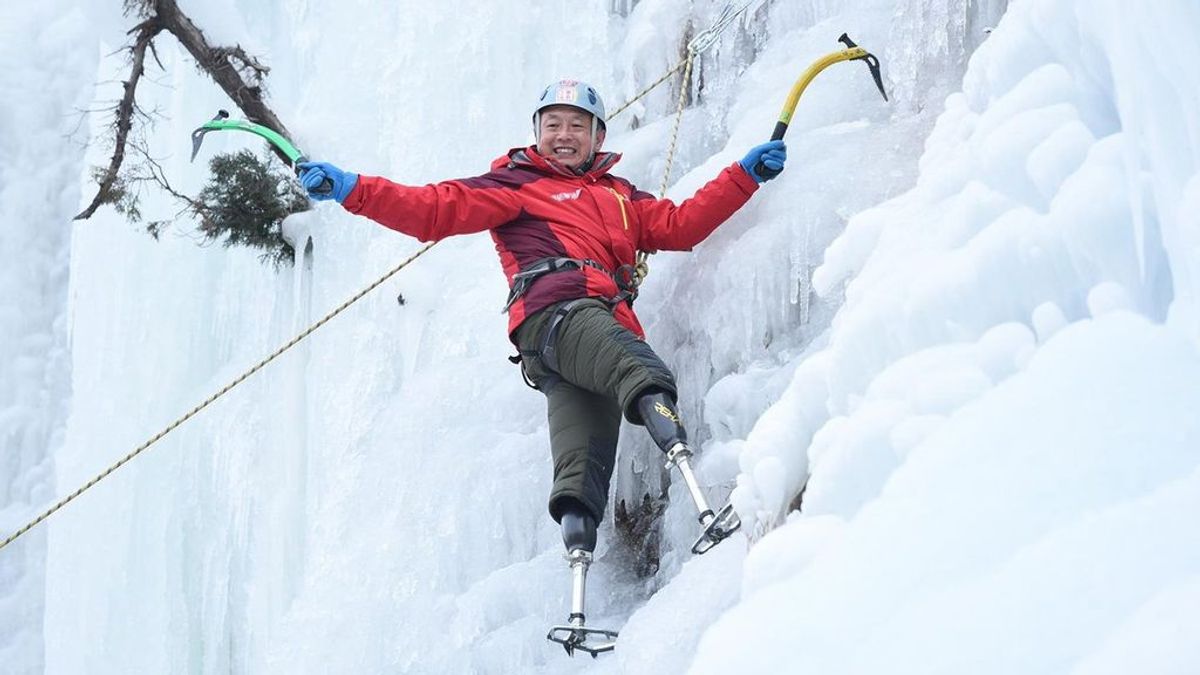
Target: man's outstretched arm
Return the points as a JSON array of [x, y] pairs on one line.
[[427, 212], [670, 227]]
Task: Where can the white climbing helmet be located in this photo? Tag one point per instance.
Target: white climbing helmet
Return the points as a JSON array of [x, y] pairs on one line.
[[575, 94]]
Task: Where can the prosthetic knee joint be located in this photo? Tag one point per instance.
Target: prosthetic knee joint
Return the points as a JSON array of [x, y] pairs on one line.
[[579, 536], [662, 421]]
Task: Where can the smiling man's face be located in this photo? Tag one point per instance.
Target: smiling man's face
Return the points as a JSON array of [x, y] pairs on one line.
[[565, 135]]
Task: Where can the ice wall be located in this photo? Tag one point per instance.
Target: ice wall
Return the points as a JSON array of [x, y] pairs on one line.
[[47, 62], [374, 501], [998, 428]]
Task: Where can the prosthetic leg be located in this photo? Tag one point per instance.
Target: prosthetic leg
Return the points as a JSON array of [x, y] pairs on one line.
[[579, 536], [662, 421]]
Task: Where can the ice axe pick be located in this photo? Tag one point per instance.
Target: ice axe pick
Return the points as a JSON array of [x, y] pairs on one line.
[[222, 121]]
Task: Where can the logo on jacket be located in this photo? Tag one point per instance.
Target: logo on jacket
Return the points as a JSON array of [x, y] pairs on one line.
[[564, 196]]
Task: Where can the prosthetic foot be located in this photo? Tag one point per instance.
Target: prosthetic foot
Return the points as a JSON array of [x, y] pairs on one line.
[[662, 421], [579, 536]]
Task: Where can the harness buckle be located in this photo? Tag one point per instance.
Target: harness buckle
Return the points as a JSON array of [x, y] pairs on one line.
[[627, 280], [521, 281]]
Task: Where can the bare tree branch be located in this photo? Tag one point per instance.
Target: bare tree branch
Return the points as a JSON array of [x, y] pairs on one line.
[[257, 71], [240, 75], [155, 174], [124, 115], [154, 53], [141, 8], [218, 62]]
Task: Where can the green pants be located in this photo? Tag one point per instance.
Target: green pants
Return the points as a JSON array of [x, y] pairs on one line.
[[602, 368]]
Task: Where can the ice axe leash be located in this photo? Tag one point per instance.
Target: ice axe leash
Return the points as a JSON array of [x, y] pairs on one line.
[[222, 122], [852, 52]]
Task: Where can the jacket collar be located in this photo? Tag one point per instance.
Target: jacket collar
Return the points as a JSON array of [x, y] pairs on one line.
[[530, 159]]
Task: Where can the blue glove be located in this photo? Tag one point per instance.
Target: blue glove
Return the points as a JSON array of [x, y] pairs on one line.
[[772, 154], [313, 175]]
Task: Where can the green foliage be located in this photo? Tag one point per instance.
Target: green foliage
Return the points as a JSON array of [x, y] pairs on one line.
[[245, 202], [121, 194]]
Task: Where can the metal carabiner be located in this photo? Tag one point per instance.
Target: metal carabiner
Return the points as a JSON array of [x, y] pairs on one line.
[[708, 37]]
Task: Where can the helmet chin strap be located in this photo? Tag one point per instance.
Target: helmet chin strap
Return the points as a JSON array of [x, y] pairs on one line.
[[591, 160]]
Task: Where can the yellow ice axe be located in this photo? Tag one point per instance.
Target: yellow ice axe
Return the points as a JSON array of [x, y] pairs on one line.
[[852, 52]]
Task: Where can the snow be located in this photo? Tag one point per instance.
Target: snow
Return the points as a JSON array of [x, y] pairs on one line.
[[1042, 535], [1156, 638], [961, 326], [990, 297]]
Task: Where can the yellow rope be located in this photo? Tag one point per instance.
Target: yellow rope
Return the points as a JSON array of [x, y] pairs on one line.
[[647, 90], [683, 90], [241, 378], [642, 268]]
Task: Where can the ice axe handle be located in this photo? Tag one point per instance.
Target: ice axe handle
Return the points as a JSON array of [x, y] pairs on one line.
[[326, 186], [762, 169]]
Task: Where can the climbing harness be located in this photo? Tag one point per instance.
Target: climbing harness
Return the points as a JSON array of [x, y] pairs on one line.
[[522, 280], [624, 278], [547, 351]]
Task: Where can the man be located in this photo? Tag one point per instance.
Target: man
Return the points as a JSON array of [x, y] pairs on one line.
[[568, 232]]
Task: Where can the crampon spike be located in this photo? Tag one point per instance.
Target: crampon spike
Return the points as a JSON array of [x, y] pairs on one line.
[[717, 530], [577, 637]]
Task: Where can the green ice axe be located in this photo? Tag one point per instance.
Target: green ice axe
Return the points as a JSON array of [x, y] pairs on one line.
[[852, 52], [222, 121]]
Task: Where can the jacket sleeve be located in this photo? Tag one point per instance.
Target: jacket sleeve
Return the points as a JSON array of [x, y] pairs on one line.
[[667, 227], [436, 211]]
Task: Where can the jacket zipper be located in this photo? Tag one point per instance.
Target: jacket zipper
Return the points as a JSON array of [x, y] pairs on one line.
[[621, 202]]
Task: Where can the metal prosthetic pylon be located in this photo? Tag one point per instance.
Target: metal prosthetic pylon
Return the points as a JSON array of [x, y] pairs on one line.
[[717, 526], [661, 419], [579, 536], [576, 634]]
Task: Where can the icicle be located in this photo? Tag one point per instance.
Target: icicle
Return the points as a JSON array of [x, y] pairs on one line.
[[801, 272]]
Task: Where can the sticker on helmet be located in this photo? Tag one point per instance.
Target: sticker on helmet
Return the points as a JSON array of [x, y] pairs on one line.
[[567, 95]]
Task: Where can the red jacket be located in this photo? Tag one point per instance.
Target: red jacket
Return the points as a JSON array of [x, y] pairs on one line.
[[537, 209]]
